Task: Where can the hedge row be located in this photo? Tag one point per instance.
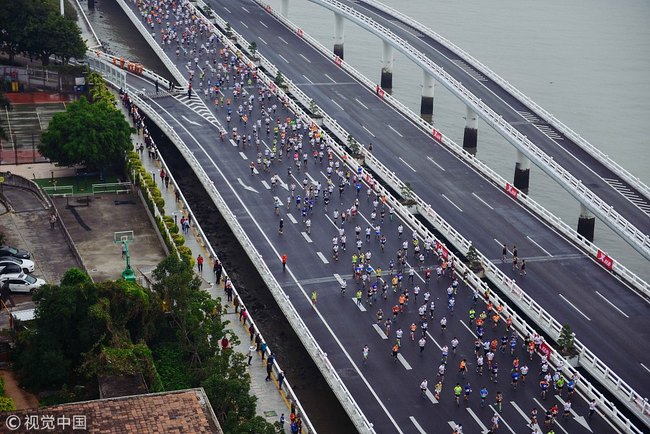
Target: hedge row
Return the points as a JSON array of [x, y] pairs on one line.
[[98, 90]]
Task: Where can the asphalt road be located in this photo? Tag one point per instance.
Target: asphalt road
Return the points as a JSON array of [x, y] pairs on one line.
[[387, 390], [609, 186], [604, 313]]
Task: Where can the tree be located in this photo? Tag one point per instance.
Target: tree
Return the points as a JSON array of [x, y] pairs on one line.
[[96, 135], [354, 146], [55, 35], [279, 80], [4, 104], [566, 341], [473, 259], [406, 192], [252, 48]]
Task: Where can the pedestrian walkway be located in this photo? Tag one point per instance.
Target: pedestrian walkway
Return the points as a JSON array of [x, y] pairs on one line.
[[270, 402]]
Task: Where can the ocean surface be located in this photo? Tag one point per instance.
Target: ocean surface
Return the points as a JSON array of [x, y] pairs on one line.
[[585, 61]]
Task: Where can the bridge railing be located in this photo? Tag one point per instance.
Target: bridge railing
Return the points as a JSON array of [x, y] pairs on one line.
[[180, 78], [635, 237], [544, 114], [516, 294], [115, 61]]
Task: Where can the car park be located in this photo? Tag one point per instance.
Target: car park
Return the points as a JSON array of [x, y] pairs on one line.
[[27, 264], [21, 282], [16, 253]]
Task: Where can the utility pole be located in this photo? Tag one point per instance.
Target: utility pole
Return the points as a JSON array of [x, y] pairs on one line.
[[62, 9]]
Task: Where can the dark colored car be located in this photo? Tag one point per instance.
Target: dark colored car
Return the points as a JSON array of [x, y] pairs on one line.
[[8, 268], [16, 253]]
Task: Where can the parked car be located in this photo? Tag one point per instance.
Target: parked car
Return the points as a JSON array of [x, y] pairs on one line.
[[27, 264], [21, 282], [10, 268], [16, 253]]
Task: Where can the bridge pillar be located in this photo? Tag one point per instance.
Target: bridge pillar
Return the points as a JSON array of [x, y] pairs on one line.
[[339, 35], [470, 136], [522, 172], [387, 67], [284, 8], [586, 223], [426, 103]]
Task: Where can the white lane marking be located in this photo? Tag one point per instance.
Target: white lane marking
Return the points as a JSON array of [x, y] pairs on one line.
[[537, 244], [645, 367], [468, 329], [246, 187], [307, 78], [482, 201], [434, 341], [525, 416], [544, 410], [417, 425], [613, 305], [311, 178], [282, 57], [407, 164], [338, 105], [292, 218], [266, 185], [243, 24], [449, 200], [322, 258], [233, 142], [189, 121], [502, 420], [369, 132], [262, 23], [330, 78], [243, 156], [282, 39], [338, 278], [265, 43], [246, 10], [361, 104], [573, 306], [361, 307], [306, 60], [484, 429], [380, 331], [434, 162], [431, 397], [290, 272], [395, 131], [580, 419], [227, 10], [404, 362], [306, 237]]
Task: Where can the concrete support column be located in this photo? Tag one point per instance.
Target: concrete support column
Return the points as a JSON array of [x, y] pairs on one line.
[[426, 103], [471, 131], [339, 35], [586, 223], [522, 172], [284, 9], [387, 67]]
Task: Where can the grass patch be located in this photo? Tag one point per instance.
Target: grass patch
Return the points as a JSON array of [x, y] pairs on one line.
[[79, 184]]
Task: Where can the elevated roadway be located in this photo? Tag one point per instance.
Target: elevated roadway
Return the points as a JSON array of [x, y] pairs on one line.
[[605, 314]]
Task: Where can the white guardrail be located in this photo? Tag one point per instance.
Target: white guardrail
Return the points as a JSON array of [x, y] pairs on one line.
[[599, 155], [575, 187], [638, 405], [588, 360]]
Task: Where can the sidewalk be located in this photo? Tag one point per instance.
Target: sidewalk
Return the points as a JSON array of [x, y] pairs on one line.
[[270, 402]]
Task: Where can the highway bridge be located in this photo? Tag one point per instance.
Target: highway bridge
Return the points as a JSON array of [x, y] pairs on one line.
[[620, 199], [554, 263]]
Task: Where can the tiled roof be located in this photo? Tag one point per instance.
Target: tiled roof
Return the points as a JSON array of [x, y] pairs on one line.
[[182, 411]]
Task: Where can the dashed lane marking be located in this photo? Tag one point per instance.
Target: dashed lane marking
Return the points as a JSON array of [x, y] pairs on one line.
[[322, 258]]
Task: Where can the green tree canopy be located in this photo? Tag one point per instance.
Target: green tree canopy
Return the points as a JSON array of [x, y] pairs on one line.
[[54, 35], [96, 135]]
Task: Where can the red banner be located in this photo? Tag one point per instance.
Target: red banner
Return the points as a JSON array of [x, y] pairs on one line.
[[380, 92], [605, 260], [268, 8], [445, 252], [299, 32], [545, 349], [338, 60], [437, 135], [512, 190]]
